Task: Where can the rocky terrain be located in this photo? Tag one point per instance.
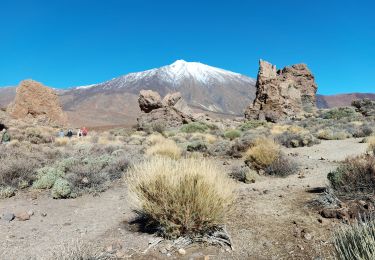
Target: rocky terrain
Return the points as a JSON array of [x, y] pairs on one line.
[[288, 181]]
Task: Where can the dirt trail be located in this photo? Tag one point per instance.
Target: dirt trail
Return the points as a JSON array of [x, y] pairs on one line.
[[270, 219]]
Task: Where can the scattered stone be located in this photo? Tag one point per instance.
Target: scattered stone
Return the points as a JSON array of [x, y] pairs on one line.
[[164, 251], [22, 216], [182, 251], [43, 214], [8, 217], [30, 212]]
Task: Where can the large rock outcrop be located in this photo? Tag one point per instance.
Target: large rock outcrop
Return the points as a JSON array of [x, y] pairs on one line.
[[172, 111], [36, 101], [282, 94], [365, 106]]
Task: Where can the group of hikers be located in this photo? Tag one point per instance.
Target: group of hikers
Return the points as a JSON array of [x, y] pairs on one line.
[[5, 137], [80, 133]]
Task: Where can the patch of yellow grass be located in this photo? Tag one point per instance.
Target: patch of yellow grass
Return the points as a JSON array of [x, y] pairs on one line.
[[183, 197], [155, 139], [263, 153], [165, 147], [279, 129], [61, 141], [209, 138]]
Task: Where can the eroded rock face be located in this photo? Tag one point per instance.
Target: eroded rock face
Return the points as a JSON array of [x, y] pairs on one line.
[[172, 111], [282, 94], [149, 100], [36, 101], [365, 106]]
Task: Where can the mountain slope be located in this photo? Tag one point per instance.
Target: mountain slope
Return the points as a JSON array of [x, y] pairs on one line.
[[205, 88], [341, 100]]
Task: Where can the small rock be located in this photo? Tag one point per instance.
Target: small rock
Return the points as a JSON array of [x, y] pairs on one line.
[[169, 247], [30, 212], [43, 214], [181, 251], [22, 216], [7, 217], [307, 236], [163, 251]]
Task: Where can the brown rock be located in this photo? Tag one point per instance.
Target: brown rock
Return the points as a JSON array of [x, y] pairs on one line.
[[36, 101], [171, 99], [282, 94], [22, 216], [166, 116], [149, 100]]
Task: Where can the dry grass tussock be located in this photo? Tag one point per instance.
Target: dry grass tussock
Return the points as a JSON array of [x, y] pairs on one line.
[[163, 147], [183, 197], [263, 153], [371, 144], [79, 251], [279, 129]]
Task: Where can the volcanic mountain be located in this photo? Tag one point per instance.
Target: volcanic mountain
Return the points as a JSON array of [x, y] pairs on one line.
[[204, 88]]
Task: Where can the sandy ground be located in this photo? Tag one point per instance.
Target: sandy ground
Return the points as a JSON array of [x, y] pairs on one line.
[[270, 219]]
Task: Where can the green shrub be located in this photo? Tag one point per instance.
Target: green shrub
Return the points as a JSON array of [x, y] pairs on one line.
[[61, 189], [290, 139], [354, 175], [356, 241], [340, 113], [282, 167], [7, 192], [46, 177], [252, 124], [232, 134], [196, 146], [195, 127]]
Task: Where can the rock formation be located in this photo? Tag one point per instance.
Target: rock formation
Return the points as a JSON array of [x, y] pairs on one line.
[[172, 111], [35, 101], [365, 106], [282, 94]]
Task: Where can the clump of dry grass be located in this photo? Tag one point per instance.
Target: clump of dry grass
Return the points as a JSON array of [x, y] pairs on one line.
[[371, 144], [61, 141], [263, 153], [164, 147], [356, 241], [79, 251], [184, 197]]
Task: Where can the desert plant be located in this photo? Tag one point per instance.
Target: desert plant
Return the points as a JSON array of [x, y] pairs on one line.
[[290, 139], [46, 177], [356, 241], [263, 153], [184, 197], [194, 128], [232, 134], [339, 113], [61, 189], [252, 124], [196, 146], [281, 166], [243, 174], [354, 175], [371, 144], [166, 148], [7, 192]]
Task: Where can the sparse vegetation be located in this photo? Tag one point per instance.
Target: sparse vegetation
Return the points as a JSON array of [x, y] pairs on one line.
[[165, 147], [232, 134], [354, 175], [195, 127], [182, 198], [356, 241], [252, 124], [263, 153]]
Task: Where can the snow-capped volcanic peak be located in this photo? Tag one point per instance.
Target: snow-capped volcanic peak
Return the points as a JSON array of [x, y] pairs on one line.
[[181, 69]]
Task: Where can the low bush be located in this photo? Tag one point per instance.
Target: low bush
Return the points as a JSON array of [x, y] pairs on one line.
[[332, 134], [356, 241], [61, 189], [371, 144], [354, 175], [281, 166], [252, 124], [196, 146], [340, 113], [46, 177], [220, 148], [243, 174], [7, 192], [263, 153], [290, 139], [195, 127], [185, 197], [232, 134]]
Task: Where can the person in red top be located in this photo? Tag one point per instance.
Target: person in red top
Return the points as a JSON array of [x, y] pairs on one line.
[[84, 131]]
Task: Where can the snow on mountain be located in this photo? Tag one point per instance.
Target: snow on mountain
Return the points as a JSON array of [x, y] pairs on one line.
[[175, 74]]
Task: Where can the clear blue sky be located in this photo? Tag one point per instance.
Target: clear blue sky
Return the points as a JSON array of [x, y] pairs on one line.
[[65, 43]]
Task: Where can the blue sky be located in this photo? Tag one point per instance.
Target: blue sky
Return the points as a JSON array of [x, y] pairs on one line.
[[65, 43]]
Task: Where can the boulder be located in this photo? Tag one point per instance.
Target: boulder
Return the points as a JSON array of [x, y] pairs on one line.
[[283, 94], [170, 112], [149, 100], [365, 106], [168, 117], [36, 101]]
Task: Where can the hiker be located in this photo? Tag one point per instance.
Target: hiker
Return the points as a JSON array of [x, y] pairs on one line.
[[61, 133], [5, 137], [79, 133], [84, 131], [70, 133]]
